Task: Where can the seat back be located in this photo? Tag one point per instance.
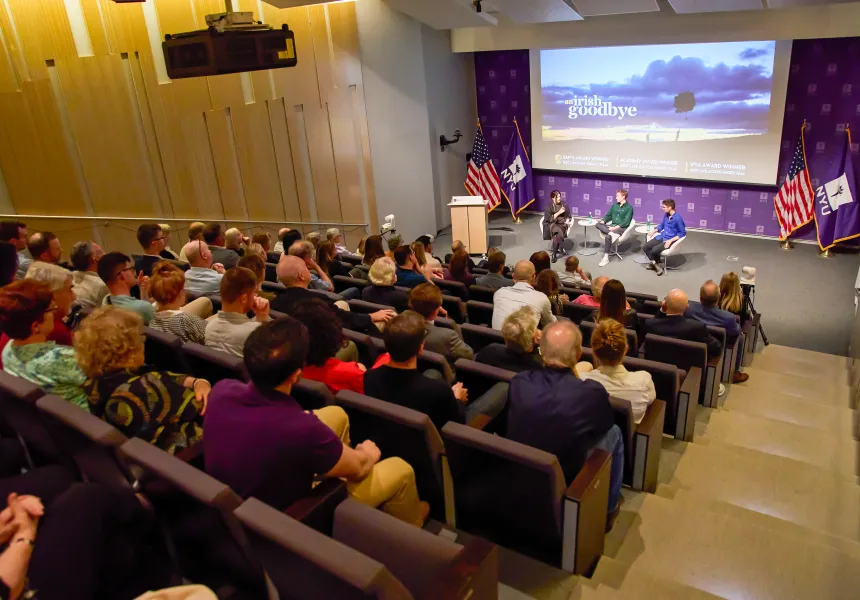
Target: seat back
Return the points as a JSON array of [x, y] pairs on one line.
[[480, 313], [577, 312], [417, 558], [273, 287], [213, 365], [622, 413], [90, 442], [674, 248], [481, 293], [272, 272], [350, 259], [18, 408], [507, 492], [216, 302], [478, 336], [164, 350], [330, 295], [402, 432], [364, 307], [681, 353], [445, 323], [650, 307], [453, 288], [312, 395], [455, 307], [197, 512], [304, 564], [342, 283], [367, 351], [478, 377], [433, 360]]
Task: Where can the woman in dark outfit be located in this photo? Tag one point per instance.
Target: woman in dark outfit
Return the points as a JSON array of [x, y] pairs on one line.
[[556, 216]]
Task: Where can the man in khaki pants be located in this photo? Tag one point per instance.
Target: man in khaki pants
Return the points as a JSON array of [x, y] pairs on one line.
[[261, 443]]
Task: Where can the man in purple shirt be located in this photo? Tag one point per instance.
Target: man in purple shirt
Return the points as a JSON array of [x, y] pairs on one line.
[[261, 443]]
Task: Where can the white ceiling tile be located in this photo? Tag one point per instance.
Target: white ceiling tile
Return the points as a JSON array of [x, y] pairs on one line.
[[536, 11], [596, 8], [703, 6], [443, 14]]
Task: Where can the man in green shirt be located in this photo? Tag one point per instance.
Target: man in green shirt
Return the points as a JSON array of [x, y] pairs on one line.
[[614, 223]]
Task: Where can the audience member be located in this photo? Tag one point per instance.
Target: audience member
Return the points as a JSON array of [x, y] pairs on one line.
[[234, 240], [557, 412], [614, 223], [731, 298], [400, 382], [573, 273], [668, 232], [708, 312], [458, 269], [294, 274], [456, 246], [426, 300], [216, 239], [60, 282], [328, 261], [671, 322], [253, 249], [319, 279], [27, 317], [172, 314], [325, 343], [160, 407], [372, 250], [520, 350], [408, 272], [203, 278], [152, 240], [256, 429], [609, 345], [279, 245], [45, 246], [361, 243], [195, 233], [257, 266], [231, 326], [168, 252], [333, 235], [89, 288], [496, 266], [423, 265], [427, 241], [265, 241], [117, 271], [394, 242], [547, 283], [596, 290], [508, 299], [8, 263], [541, 261], [613, 305], [314, 238], [383, 277], [287, 238], [15, 233]]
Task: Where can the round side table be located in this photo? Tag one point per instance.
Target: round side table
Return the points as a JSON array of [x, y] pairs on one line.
[[586, 223]]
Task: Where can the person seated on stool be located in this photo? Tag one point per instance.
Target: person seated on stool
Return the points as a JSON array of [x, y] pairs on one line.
[[556, 215], [614, 223], [670, 230]]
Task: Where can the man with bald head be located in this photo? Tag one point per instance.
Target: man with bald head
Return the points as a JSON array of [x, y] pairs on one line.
[[555, 411], [203, 278], [708, 312], [195, 232], [294, 274], [509, 299], [671, 322]]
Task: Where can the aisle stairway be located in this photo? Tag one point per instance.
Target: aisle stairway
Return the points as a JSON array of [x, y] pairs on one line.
[[763, 504]]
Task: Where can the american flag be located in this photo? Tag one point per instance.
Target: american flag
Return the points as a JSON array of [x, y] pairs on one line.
[[795, 201], [482, 178]]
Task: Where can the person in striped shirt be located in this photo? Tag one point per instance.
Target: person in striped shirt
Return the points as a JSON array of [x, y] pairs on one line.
[[172, 314]]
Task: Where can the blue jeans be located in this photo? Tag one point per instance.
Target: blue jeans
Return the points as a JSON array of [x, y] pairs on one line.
[[613, 443], [490, 403], [352, 293]]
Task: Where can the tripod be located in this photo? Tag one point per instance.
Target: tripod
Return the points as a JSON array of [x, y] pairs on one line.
[[749, 294]]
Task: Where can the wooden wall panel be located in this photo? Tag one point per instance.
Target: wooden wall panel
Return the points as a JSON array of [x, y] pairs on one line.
[[279, 146]]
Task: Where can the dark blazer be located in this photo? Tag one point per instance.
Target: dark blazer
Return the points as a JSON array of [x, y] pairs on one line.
[[495, 281], [225, 256], [499, 355], [273, 257], [287, 300], [387, 295], [711, 315], [144, 263], [683, 328]]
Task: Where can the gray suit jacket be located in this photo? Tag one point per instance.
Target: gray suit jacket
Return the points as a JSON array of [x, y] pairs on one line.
[[225, 256], [447, 342]]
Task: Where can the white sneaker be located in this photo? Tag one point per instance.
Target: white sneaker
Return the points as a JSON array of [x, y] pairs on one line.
[[604, 261], [722, 391]]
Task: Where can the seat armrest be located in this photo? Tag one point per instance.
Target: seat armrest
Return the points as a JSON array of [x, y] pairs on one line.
[[464, 365], [480, 421], [193, 455], [646, 447], [316, 510], [584, 515], [475, 574], [688, 400]]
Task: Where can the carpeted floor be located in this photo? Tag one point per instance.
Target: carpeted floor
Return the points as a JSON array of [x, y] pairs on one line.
[[806, 301]]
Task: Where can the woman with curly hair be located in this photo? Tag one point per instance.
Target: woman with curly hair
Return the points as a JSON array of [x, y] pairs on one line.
[[160, 407], [167, 288], [27, 313], [325, 342]]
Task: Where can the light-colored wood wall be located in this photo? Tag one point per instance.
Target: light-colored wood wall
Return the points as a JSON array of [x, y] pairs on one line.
[[101, 135]]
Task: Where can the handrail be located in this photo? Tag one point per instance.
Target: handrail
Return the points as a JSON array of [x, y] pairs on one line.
[[164, 220]]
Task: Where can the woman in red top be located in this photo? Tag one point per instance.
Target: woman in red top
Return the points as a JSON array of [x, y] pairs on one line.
[[326, 339]]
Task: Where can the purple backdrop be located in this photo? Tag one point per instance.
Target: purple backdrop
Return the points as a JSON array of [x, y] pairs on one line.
[[823, 88]]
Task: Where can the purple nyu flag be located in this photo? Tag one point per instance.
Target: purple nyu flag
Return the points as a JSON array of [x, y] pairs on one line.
[[516, 175], [837, 214]]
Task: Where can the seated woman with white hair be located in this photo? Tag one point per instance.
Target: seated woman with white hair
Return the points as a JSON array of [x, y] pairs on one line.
[[383, 276], [333, 235], [61, 282], [520, 351], [234, 240]]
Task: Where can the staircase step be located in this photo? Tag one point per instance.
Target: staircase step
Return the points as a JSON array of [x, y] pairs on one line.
[[802, 363], [825, 389], [726, 556], [826, 450], [789, 409], [613, 579]]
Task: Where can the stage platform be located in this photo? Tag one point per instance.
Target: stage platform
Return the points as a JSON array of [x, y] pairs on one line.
[[807, 301]]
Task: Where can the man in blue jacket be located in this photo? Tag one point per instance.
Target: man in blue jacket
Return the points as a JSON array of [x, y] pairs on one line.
[[668, 232]]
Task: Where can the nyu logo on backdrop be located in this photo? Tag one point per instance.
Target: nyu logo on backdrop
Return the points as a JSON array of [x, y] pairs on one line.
[[747, 212], [703, 223], [815, 181], [819, 147], [540, 193], [759, 228], [503, 89], [846, 89], [763, 197], [575, 181], [551, 180], [564, 195], [651, 185], [649, 217], [482, 89], [513, 73], [825, 109], [855, 148], [773, 218], [491, 73], [840, 127], [691, 206], [718, 209], [785, 144], [637, 201], [596, 212], [789, 108], [586, 198], [598, 183], [832, 68], [795, 69], [514, 103], [811, 89], [679, 190], [610, 199], [625, 186], [574, 210], [735, 194], [731, 226], [706, 192]]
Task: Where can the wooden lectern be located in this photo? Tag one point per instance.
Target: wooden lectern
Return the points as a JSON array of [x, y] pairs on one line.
[[469, 222]]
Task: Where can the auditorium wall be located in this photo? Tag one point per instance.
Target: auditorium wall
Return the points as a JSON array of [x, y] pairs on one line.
[[823, 88], [91, 126]]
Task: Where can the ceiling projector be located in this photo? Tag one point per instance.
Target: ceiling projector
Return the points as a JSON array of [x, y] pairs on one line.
[[232, 43]]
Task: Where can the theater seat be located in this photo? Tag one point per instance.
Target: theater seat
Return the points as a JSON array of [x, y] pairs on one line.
[[641, 442], [481, 293], [515, 496], [274, 288], [272, 272], [213, 365], [480, 313], [587, 328], [18, 408], [479, 336], [367, 350], [164, 351], [312, 395], [408, 434], [455, 308], [577, 312], [342, 283], [687, 355], [453, 288]]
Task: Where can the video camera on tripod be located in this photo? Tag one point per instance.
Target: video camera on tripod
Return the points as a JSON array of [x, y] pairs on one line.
[[748, 291]]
